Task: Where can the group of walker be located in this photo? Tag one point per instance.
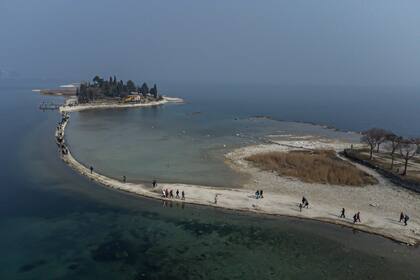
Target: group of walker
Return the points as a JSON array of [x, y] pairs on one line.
[[170, 194], [356, 217], [404, 218], [259, 194], [303, 204], [59, 137], [166, 193]]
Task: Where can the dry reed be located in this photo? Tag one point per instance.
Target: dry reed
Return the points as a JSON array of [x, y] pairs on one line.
[[318, 166]]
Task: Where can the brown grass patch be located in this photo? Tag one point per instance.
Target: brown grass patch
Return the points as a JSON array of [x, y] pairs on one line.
[[319, 166]]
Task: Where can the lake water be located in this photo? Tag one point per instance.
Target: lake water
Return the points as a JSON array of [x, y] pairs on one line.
[[55, 224], [175, 143]]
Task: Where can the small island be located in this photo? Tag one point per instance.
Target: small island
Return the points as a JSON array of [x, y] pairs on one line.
[[114, 90], [114, 93]]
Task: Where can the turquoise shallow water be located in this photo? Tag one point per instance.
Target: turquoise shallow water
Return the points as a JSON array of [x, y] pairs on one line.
[[55, 224]]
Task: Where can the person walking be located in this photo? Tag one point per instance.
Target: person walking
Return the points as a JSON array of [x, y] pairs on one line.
[[358, 217], [355, 218], [300, 207], [306, 204], [406, 218], [343, 213], [402, 216], [171, 194], [177, 194], [304, 201], [261, 194], [91, 169], [183, 195]]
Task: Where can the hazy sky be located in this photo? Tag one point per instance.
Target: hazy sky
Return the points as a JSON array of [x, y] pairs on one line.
[[295, 41]]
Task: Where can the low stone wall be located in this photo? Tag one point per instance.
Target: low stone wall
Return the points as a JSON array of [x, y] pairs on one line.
[[397, 180]]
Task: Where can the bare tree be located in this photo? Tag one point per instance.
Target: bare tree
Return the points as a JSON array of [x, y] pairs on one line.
[[381, 137], [408, 149], [373, 138], [394, 143]]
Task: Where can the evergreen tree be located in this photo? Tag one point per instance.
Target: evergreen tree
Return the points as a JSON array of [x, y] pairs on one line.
[[130, 86], [107, 89], [144, 89], [98, 80], [154, 91]]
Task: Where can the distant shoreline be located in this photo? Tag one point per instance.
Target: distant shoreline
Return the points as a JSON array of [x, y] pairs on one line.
[[242, 199]]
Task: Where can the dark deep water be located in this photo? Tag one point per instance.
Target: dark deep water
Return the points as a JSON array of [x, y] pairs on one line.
[[55, 224]]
